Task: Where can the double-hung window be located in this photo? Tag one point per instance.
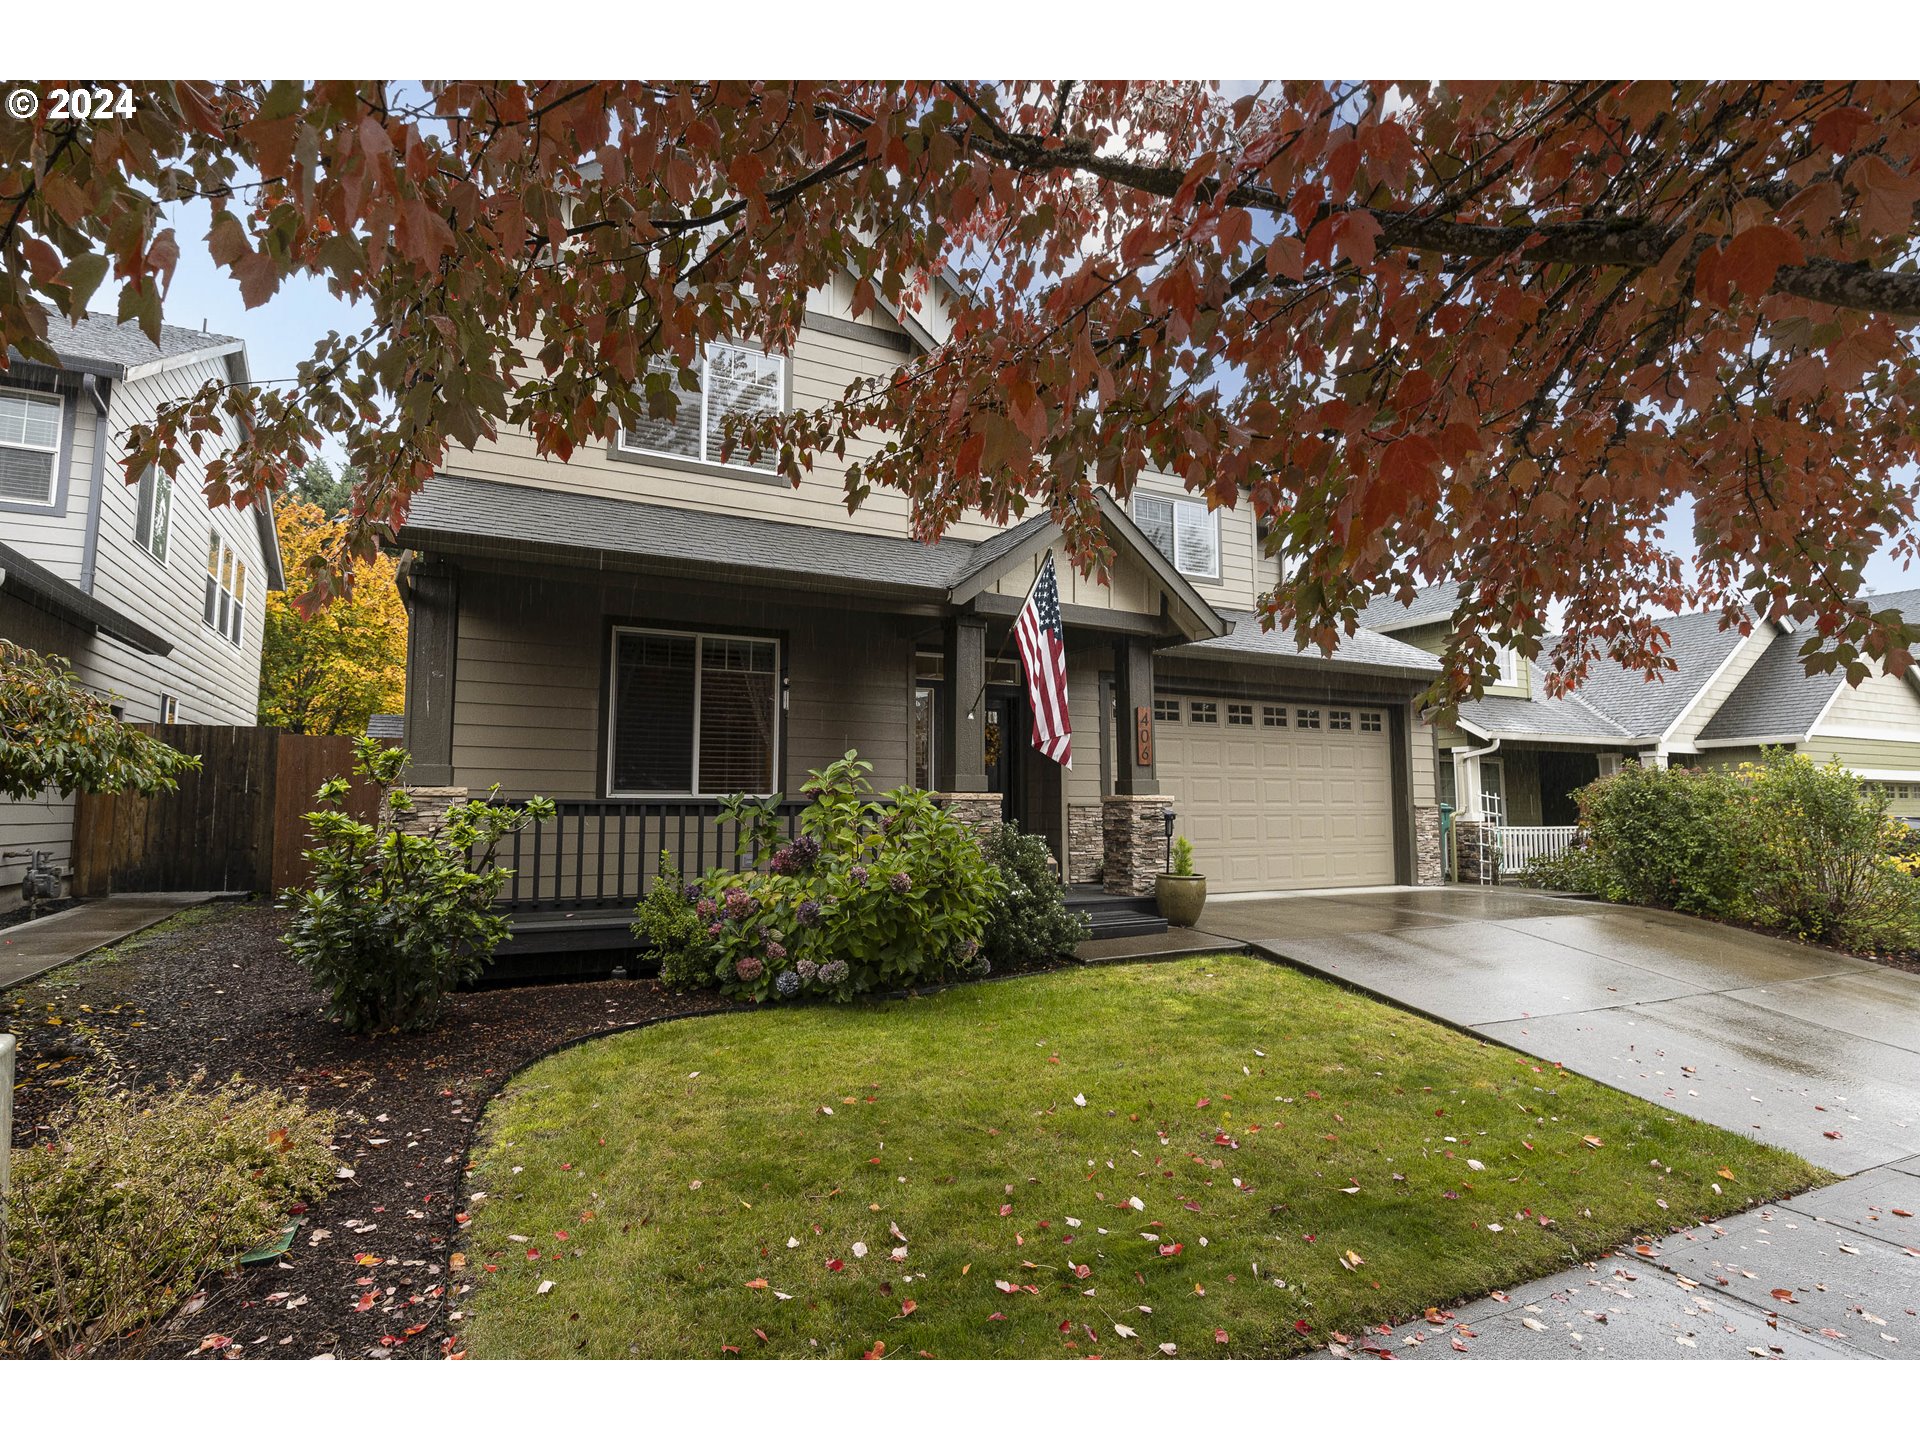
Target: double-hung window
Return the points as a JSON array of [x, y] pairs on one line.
[[692, 714], [1185, 531], [1509, 663], [224, 601], [732, 382], [29, 447], [155, 517]]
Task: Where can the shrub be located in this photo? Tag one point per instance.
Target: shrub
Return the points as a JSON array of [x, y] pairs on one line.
[[1669, 837], [672, 931], [1028, 922], [1576, 870], [1819, 861], [110, 1227], [1182, 856], [392, 921], [876, 893]]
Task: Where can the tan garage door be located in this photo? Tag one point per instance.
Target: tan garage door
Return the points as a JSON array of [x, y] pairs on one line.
[[1278, 796]]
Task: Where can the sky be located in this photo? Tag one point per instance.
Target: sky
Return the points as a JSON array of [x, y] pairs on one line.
[[282, 332]]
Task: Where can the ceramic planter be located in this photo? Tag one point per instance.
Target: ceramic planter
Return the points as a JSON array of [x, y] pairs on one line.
[[1181, 898]]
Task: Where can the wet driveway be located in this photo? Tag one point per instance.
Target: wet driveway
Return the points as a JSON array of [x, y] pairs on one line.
[[1815, 1052]]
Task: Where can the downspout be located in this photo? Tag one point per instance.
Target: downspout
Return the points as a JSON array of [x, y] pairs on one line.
[[1459, 755], [95, 389]]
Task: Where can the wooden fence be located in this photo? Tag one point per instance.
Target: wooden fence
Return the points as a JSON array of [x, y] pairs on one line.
[[234, 824]]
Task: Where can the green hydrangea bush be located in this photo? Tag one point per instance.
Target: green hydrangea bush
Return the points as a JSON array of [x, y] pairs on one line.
[[877, 892], [392, 921], [109, 1228]]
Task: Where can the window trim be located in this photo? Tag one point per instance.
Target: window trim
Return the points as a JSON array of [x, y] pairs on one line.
[[619, 449], [1508, 672], [159, 484], [56, 502], [1174, 502], [699, 638], [228, 621]]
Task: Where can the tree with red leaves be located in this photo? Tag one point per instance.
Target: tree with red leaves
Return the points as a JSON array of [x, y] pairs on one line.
[[1490, 332]]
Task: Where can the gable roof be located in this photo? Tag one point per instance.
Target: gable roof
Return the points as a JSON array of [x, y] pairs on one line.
[[1774, 699], [1697, 646], [102, 345], [1362, 651], [1428, 605]]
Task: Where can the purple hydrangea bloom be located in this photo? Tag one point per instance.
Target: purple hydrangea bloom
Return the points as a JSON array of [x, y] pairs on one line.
[[705, 909], [900, 882], [739, 902], [834, 972], [809, 912], [787, 983], [858, 874], [714, 929], [776, 951], [691, 890], [806, 969], [805, 850], [783, 861], [748, 968]]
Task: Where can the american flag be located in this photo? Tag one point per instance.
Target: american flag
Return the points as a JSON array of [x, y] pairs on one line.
[[1043, 655]]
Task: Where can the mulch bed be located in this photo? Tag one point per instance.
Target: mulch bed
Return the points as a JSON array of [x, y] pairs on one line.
[[223, 997]]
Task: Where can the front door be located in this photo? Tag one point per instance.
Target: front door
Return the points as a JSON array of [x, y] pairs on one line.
[[1006, 741]]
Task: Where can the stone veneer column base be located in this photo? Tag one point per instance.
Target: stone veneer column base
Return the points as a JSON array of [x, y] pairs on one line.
[[1134, 842], [978, 811], [1086, 844], [430, 806], [1474, 847], [1427, 868]]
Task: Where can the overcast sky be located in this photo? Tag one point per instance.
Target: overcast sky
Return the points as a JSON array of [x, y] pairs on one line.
[[282, 333]]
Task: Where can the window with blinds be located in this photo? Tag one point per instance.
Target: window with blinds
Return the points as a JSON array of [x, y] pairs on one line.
[[731, 383], [29, 447], [1185, 531], [692, 714]]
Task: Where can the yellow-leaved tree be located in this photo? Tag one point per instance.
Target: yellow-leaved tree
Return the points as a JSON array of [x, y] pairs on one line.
[[324, 674]]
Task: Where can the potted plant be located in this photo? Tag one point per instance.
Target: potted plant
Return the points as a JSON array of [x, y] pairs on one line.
[[1180, 893]]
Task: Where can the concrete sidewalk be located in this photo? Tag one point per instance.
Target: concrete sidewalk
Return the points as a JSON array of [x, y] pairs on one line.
[[39, 945]]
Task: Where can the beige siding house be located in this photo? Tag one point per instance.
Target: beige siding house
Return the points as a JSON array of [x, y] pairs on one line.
[[155, 597], [644, 628]]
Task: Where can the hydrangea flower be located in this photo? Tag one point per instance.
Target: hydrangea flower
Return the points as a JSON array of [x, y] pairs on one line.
[[981, 967], [858, 874], [787, 983], [808, 913], [714, 929], [783, 861], [805, 850], [706, 909], [776, 951], [748, 968], [691, 890], [834, 972], [739, 902], [900, 882], [806, 969]]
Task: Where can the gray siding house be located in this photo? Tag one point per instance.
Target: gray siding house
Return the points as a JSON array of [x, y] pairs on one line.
[[154, 596], [641, 629]]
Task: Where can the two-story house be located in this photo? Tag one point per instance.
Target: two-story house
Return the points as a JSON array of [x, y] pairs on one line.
[[644, 628], [1513, 758], [155, 597]]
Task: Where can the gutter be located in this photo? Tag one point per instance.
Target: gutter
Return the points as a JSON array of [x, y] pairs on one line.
[[97, 390]]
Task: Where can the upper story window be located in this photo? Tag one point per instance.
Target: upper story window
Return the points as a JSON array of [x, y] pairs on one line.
[[29, 447], [1509, 666], [733, 382], [1185, 531], [225, 601], [155, 518]]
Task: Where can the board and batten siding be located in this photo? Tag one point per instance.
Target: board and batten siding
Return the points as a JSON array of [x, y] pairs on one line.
[[533, 652]]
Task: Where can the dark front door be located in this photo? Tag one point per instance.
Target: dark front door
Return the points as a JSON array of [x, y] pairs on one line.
[[1006, 751]]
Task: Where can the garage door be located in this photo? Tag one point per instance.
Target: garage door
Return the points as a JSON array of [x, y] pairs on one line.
[[1278, 796]]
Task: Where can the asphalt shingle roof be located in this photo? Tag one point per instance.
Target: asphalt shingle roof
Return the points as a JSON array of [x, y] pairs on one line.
[[100, 341], [1696, 644], [1776, 697], [1362, 648], [1568, 717], [1429, 604]]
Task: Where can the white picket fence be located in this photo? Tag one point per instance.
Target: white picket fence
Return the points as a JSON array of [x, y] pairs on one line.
[[1521, 845]]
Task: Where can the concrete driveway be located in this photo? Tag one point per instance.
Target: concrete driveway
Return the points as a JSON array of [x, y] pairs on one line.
[[1811, 1051]]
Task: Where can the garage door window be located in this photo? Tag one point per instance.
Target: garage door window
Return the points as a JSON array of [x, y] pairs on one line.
[[1307, 719], [1274, 717], [1239, 714], [1339, 720], [1167, 710], [1370, 721], [1203, 712]]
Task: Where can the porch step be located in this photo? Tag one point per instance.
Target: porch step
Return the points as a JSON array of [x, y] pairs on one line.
[[1115, 916]]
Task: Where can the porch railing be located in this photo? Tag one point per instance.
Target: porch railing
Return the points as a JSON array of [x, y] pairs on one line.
[[602, 854], [1521, 845]]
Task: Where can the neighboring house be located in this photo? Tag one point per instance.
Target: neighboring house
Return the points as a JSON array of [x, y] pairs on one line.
[[642, 629], [1514, 756], [155, 597]]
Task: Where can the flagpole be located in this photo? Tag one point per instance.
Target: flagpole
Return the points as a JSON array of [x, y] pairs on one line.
[[1038, 572]]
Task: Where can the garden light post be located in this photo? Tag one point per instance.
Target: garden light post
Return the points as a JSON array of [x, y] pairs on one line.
[[1167, 817]]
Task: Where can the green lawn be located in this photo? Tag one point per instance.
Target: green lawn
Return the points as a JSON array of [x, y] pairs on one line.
[[1262, 1159]]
